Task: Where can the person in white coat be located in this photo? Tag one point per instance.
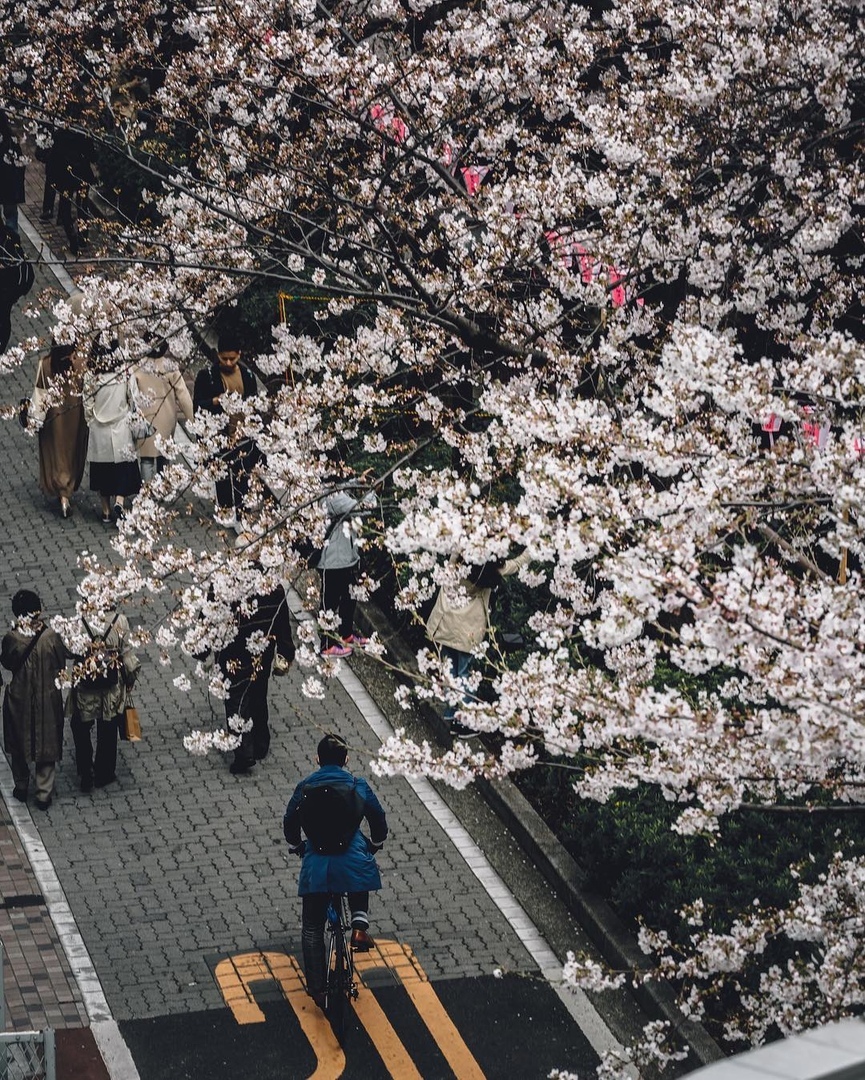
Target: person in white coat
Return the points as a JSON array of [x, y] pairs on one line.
[[458, 624], [108, 398]]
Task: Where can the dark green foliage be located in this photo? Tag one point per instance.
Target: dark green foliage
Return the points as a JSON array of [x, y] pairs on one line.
[[642, 867]]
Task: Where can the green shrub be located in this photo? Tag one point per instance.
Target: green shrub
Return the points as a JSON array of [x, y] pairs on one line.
[[636, 862]]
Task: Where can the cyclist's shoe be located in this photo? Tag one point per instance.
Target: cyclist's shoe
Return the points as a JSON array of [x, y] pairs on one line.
[[361, 941], [318, 997]]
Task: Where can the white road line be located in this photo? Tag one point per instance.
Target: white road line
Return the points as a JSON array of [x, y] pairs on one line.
[[45, 253], [115, 1053], [114, 1050]]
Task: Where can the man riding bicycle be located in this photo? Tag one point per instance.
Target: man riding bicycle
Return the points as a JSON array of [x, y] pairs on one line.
[[328, 806]]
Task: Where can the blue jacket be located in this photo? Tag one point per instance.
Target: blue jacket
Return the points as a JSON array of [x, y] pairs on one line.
[[354, 870]]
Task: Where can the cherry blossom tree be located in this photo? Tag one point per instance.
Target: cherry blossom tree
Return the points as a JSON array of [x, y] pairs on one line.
[[587, 280]]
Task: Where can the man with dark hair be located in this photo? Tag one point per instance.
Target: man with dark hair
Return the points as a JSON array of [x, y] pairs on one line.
[[11, 174], [227, 375], [33, 707], [329, 806], [69, 174]]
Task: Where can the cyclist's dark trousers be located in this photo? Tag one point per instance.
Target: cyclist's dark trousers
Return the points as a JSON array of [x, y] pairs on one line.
[[312, 935]]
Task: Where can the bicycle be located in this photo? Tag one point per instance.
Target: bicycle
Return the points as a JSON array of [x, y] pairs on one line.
[[341, 987]]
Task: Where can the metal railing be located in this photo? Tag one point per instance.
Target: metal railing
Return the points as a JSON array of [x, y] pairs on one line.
[[24, 1055]]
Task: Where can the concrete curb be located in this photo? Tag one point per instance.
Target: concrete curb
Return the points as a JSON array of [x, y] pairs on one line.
[[560, 869]]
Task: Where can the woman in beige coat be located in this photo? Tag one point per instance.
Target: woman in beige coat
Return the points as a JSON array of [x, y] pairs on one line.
[[164, 399], [458, 626]]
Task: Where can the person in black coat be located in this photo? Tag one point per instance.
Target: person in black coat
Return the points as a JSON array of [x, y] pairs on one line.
[[248, 672], [69, 174], [228, 375], [11, 174], [16, 279]]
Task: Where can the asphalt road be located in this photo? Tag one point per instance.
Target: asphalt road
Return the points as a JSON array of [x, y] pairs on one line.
[[513, 1027]]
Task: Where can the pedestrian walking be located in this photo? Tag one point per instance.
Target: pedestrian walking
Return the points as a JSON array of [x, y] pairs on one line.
[[63, 432], [12, 164], [339, 566], [33, 706], [16, 279], [247, 663], [460, 621], [103, 677], [164, 400], [109, 398], [227, 375], [328, 807], [68, 176]]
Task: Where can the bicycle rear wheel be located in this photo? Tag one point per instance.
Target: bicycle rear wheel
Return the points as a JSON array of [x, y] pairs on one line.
[[338, 983]]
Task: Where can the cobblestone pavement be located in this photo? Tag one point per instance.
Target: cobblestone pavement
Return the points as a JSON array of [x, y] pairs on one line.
[[180, 864]]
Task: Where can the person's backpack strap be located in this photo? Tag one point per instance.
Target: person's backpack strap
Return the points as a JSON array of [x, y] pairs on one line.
[[100, 637], [31, 647]]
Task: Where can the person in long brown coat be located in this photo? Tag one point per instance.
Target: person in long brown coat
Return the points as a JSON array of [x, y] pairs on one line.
[[33, 706], [63, 434]]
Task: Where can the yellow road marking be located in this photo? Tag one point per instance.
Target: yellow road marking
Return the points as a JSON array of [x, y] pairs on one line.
[[315, 1026], [386, 1041], [236, 975], [404, 964]]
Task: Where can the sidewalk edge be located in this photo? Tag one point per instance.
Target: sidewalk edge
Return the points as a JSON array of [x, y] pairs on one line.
[[116, 1055]]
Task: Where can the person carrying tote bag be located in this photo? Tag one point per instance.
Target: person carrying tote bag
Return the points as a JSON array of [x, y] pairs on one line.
[[102, 681]]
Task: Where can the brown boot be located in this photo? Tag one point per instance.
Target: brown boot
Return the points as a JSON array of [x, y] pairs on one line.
[[361, 941]]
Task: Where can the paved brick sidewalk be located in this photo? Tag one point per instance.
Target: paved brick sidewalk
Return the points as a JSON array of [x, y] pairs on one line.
[[41, 991]]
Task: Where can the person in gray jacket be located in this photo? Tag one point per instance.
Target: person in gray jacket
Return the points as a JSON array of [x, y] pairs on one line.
[[339, 565], [103, 678]]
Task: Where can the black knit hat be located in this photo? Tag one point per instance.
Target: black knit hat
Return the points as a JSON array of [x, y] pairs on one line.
[[26, 602]]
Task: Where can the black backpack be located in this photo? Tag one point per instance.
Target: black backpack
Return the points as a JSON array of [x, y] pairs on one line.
[[330, 815]]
